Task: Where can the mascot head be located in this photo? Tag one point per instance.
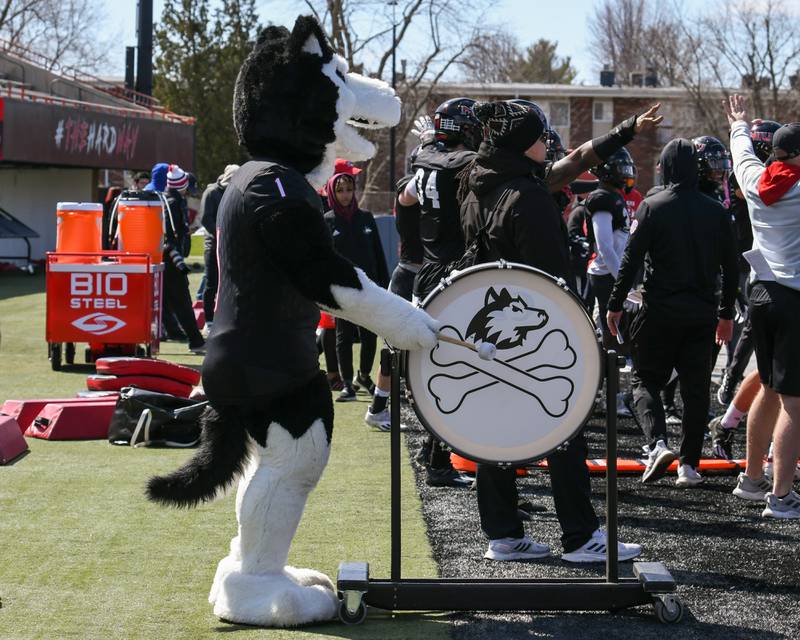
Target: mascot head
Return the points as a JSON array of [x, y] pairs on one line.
[[295, 102]]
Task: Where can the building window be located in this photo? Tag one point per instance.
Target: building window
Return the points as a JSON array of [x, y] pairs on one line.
[[603, 111], [559, 114]]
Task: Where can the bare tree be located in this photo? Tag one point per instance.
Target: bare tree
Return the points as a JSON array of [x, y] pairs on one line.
[[431, 37], [618, 34], [64, 33]]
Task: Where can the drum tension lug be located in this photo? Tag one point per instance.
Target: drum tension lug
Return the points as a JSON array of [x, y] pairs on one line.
[[562, 283]]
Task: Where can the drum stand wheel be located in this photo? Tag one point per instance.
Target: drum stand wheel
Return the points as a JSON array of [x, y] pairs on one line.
[[651, 584]]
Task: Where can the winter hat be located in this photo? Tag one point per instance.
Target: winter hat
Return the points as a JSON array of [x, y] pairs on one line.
[[227, 174], [511, 126], [787, 139], [177, 178], [158, 177]]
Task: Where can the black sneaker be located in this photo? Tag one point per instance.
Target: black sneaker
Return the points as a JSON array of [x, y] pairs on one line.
[[366, 382], [722, 439], [672, 415], [526, 509], [447, 478], [348, 394], [424, 453]]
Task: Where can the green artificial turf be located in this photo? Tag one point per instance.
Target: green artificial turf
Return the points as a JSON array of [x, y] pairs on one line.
[[84, 555]]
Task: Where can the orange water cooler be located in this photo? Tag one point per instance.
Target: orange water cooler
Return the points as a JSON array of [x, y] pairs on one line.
[[79, 229]]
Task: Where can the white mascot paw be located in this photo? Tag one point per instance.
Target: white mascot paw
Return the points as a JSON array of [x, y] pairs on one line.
[[417, 330]]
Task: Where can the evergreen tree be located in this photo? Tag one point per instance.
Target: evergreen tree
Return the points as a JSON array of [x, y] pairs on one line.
[[197, 60], [540, 63]]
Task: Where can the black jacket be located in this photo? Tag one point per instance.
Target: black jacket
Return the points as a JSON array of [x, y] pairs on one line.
[[358, 241], [684, 238], [524, 224], [177, 223], [209, 204]]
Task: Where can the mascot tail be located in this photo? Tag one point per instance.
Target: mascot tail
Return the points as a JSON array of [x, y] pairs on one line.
[[215, 465]]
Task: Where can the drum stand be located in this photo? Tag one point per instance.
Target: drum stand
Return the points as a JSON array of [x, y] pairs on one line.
[[652, 584]]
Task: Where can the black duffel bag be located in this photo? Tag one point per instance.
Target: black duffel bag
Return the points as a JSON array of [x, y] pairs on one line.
[[144, 418]]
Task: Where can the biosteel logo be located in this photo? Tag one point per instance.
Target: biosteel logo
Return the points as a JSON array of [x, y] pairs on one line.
[[98, 323]]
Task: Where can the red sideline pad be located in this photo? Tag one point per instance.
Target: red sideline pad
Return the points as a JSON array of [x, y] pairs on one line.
[[600, 466], [12, 444], [84, 421], [151, 383], [147, 367], [24, 411]]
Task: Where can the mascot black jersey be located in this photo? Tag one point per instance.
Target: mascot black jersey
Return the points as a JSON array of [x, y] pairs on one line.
[[263, 343], [436, 172]]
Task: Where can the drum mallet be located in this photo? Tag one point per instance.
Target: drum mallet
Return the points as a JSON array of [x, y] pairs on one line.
[[485, 350]]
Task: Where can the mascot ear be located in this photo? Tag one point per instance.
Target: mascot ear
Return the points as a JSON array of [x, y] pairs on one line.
[[308, 37], [491, 296]]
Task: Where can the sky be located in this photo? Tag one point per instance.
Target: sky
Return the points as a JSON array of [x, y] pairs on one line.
[[564, 21]]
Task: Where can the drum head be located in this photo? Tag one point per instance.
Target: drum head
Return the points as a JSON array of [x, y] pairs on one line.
[[540, 387]]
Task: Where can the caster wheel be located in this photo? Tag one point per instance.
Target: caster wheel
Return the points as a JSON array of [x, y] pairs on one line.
[[55, 356], [352, 618], [668, 608], [69, 353], [140, 352]]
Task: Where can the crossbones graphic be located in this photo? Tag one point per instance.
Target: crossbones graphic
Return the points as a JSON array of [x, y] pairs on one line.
[[552, 393]]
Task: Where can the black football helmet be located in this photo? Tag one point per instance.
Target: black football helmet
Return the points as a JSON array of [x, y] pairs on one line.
[[617, 170], [454, 123], [555, 148], [761, 135], [713, 159]]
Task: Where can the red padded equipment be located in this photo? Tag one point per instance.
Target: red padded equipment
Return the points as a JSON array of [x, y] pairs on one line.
[[12, 444], [468, 466], [199, 314], [24, 411], [151, 383], [148, 367], [83, 421]]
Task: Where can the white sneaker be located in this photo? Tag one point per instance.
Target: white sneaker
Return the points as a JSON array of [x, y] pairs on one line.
[[747, 489], [505, 549], [658, 461], [768, 470], [786, 507], [382, 420], [595, 550], [688, 476]]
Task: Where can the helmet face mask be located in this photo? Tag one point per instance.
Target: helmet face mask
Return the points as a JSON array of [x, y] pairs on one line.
[[555, 148], [454, 124], [761, 134], [713, 159], [617, 170]]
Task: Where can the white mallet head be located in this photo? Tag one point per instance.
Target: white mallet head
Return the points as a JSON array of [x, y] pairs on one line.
[[487, 351]]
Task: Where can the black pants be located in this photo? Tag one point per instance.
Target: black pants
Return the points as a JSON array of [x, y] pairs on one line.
[[658, 348], [601, 287], [328, 339], [178, 301], [345, 336], [211, 276], [569, 478]]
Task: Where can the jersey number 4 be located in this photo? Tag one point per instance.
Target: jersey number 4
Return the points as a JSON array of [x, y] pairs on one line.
[[428, 190]]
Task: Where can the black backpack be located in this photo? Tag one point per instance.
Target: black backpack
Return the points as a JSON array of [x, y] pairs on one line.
[[144, 418]]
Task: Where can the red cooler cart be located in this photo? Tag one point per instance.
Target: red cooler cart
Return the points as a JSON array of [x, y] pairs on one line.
[[110, 300]]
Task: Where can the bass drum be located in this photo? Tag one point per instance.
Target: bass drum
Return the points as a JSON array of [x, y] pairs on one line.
[[539, 389]]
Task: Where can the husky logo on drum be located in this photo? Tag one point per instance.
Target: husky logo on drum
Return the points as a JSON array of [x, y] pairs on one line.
[[505, 321], [534, 359], [98, 324]]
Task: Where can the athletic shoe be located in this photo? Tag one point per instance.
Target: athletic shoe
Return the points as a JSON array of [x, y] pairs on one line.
[[347, 394], [595, 550], [382, 420], [787, 507], [366, 382], [688, 476], [722, 439], [768, 470], [748, 489], [506, 549], [526, 509], [672, 415], [447, 478], [727, 389], [424, 453], [658, 460], [198, 349], [335, 383], [622, 407]]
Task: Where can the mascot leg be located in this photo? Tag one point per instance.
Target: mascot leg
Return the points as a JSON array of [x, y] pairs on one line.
[[253, 585]]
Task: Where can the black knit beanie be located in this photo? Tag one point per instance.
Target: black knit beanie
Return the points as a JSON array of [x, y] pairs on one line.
[[510, 126]]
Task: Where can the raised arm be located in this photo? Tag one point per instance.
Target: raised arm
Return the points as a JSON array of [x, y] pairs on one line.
[[594, 151]]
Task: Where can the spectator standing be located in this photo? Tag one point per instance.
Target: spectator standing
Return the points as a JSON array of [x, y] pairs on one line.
[[355, 236]]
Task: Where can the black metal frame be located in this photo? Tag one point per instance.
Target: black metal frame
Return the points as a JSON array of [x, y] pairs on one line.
[[650, 584]]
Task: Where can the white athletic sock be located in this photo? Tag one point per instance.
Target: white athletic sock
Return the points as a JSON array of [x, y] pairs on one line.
[[732, 417], [380, 393]]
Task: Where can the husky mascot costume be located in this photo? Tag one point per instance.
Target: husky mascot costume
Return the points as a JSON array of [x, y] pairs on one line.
[[271, 415]]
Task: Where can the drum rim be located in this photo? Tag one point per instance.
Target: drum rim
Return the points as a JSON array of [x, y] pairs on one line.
[[559, 282]]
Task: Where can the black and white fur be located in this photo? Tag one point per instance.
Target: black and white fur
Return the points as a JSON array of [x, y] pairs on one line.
[[295, 101]]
